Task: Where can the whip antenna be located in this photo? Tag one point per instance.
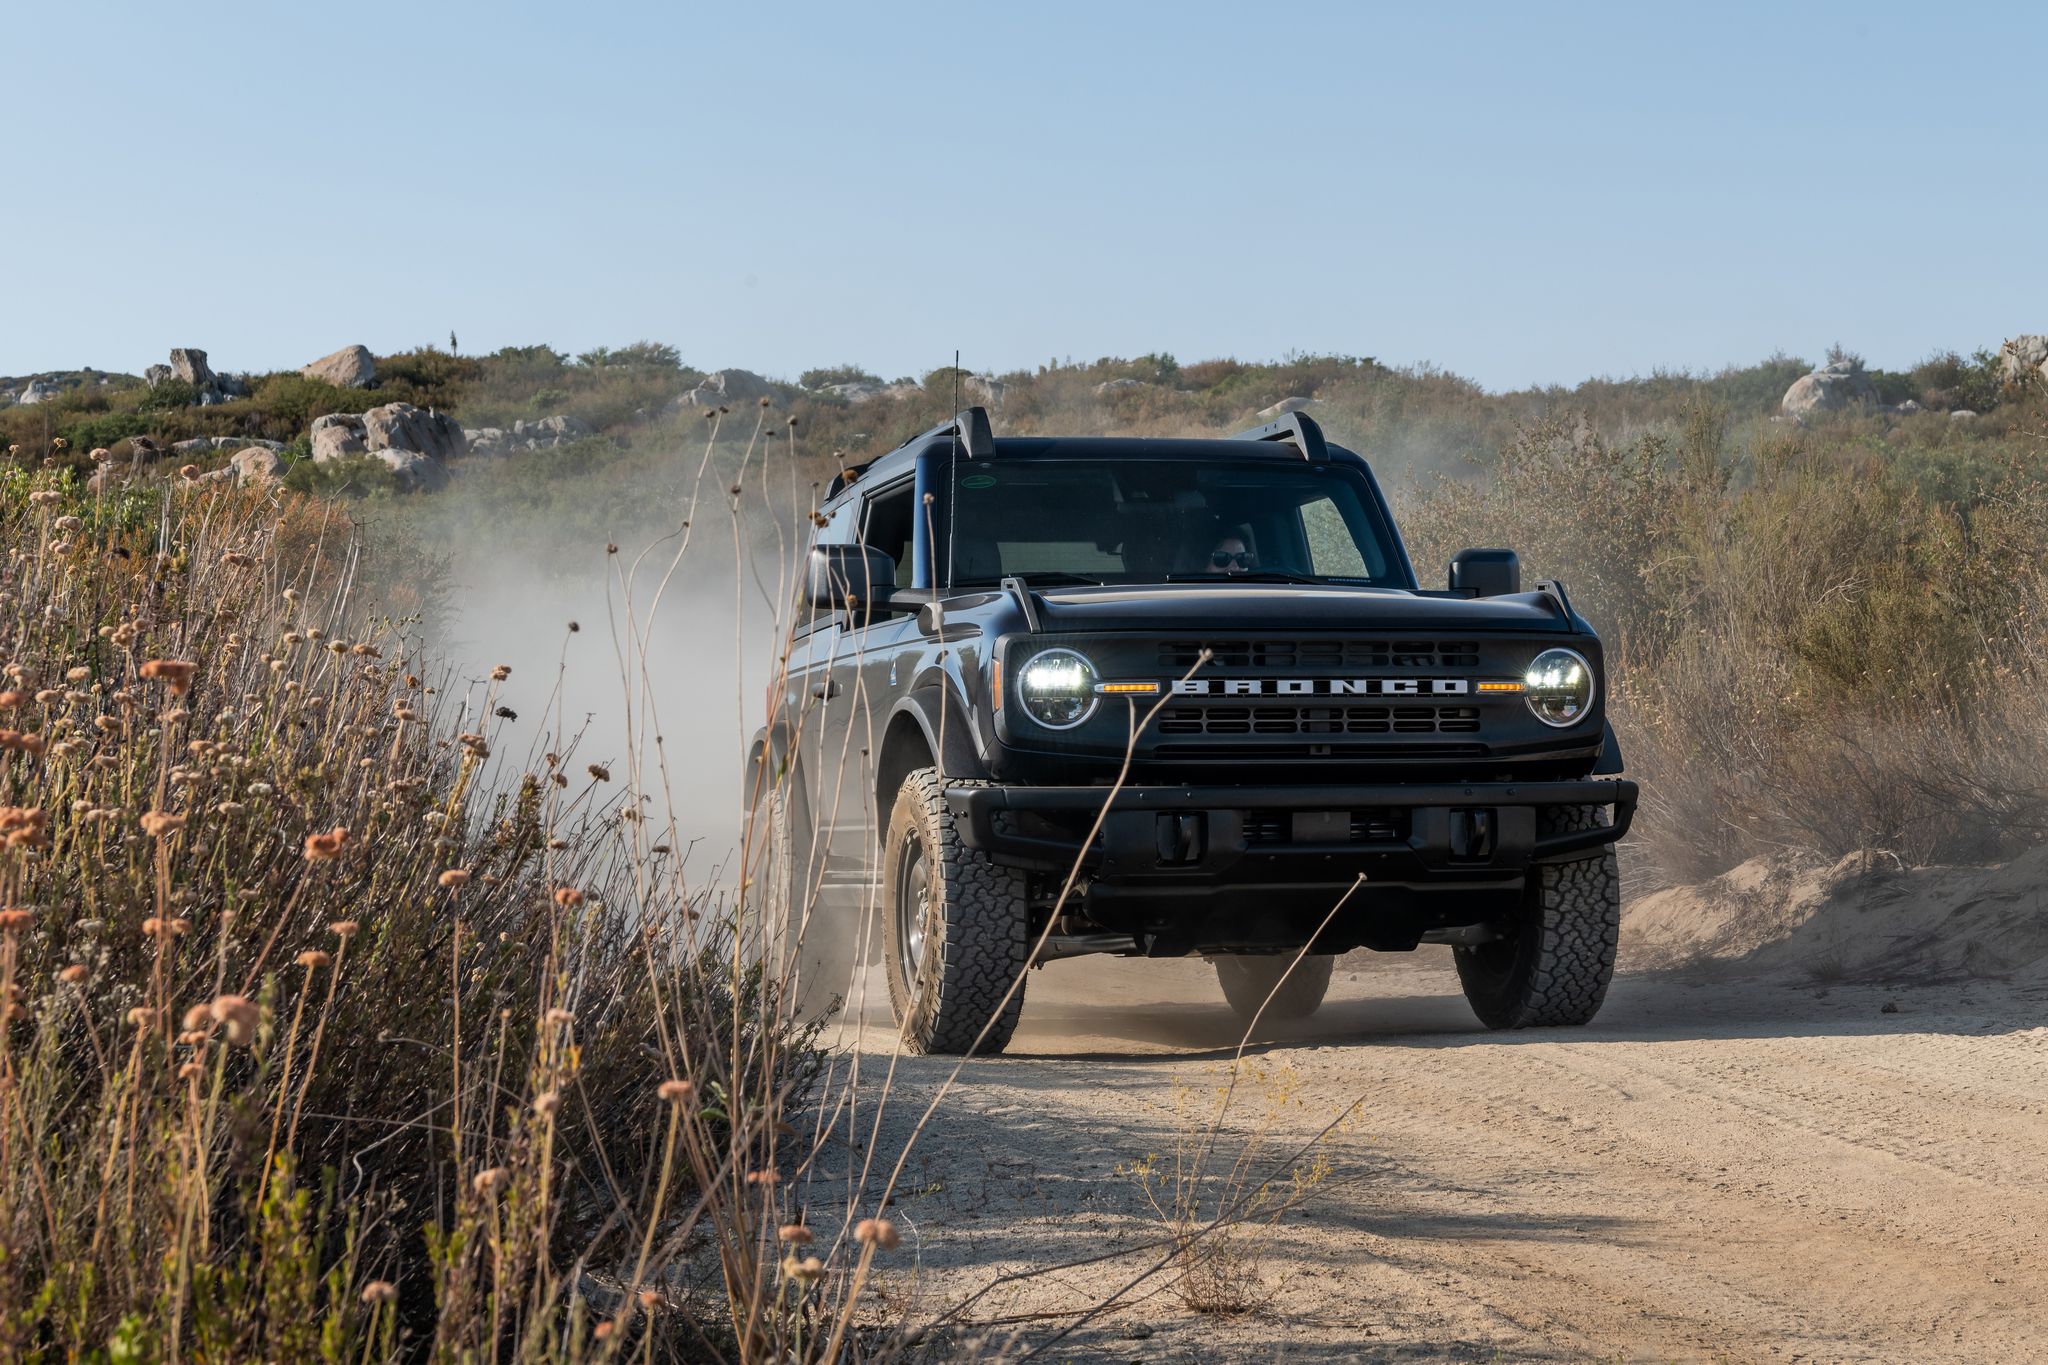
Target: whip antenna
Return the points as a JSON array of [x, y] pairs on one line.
[[953, 474]]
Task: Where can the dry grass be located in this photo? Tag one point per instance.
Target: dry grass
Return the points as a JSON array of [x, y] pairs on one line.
[[1808, 649], [329, 1033], [1223, 1187]]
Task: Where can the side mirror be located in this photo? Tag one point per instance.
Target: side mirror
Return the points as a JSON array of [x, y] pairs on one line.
[[1486, 573], [849, 577]]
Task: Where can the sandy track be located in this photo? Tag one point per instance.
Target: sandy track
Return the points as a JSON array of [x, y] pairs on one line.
[[1722, 1167]]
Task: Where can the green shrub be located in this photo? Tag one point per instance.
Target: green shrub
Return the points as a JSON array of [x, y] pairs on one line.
[[835, 374], [169, 395]]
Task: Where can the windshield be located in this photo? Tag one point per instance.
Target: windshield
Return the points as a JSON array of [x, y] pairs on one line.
[[1155, 521]]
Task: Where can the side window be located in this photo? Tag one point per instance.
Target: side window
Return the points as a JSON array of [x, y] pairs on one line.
[[1332, 549], [890, 526]]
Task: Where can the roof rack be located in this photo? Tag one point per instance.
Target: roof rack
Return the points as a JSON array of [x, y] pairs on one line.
[[970, 426], [1296, 428]]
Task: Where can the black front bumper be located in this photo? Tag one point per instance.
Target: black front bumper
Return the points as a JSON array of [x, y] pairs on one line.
[[1194, 837]]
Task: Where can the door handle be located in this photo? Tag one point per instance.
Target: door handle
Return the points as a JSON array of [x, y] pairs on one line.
[[826, 690]]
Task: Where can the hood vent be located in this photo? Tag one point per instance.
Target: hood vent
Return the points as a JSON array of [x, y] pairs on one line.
[[1314, 653]]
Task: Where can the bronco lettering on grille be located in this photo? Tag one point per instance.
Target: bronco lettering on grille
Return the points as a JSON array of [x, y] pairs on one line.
[[1322, 687]]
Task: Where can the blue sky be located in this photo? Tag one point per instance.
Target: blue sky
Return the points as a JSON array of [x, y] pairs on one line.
[[1523, 194]]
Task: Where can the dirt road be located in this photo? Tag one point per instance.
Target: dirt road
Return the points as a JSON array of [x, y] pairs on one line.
[[1726, 1166]]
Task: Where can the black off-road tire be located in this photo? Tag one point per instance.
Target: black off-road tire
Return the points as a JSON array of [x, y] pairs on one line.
[[1248, 979], [976, 929], [1553, 965], [811, 947]]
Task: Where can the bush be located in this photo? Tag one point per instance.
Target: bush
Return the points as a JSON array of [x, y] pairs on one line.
[[835, 374], [649, 354]]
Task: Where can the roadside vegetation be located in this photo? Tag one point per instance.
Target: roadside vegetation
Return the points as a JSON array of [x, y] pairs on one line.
[[334, 1026]]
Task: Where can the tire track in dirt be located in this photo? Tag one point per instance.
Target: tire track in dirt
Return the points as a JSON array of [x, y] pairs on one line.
[[1733, 1170]]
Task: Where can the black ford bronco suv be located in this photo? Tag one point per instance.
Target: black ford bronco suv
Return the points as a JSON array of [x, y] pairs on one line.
[[1051, 696]]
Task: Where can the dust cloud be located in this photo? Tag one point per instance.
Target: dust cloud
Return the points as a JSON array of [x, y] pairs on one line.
[[614, 667]]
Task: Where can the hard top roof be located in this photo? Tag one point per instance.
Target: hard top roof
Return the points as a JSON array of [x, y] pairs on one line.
[[1292, 438]]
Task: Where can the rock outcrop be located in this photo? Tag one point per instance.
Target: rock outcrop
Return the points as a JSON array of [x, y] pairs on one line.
[[206, 445], [868, 390], [422, 431], [2023, 359], [542, 434], [188, 365], [413, 442], [726, 388], [1111, 387], [40, 391], [351, 367], [1830, 388], [257, 464], [338, 436]]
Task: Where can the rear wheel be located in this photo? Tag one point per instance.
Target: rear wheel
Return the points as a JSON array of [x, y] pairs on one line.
[[1262, 987], [955, 926], [1553, 965]]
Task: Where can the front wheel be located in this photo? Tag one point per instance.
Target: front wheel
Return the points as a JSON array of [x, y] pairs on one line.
[[1263, 987], [1553, 964], [955, 926]]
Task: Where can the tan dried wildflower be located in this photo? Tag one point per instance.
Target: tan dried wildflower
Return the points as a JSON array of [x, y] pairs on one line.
[[198, 1019], [600, 772], [808, 1270], [568, 897], [501, 672], [240, 1015], [547, 1103], [77, 974], [675, 1091], [16, 918], [314, 958], [176, 674], [323, 848], [379, 1291], [488, 1183], [344, 928], [879, 1231], [795, 1234], [455, 878], [161, 824]]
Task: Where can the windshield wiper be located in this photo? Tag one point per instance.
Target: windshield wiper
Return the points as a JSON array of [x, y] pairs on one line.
[[1249, 576], [1036, 580]]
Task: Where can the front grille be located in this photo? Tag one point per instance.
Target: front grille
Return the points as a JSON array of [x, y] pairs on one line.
[[1319, 720], [1181, 655]]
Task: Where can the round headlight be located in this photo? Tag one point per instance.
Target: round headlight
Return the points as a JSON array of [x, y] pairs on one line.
[[1559, 687], [1057, 688]]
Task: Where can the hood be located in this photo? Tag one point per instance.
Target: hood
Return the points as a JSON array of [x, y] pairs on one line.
[[1291, 606]]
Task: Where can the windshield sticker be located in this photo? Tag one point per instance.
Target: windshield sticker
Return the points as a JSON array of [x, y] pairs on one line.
[[978, 481]]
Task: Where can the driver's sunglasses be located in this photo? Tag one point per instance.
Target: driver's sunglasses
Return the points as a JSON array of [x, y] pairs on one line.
[[1223, 559]]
